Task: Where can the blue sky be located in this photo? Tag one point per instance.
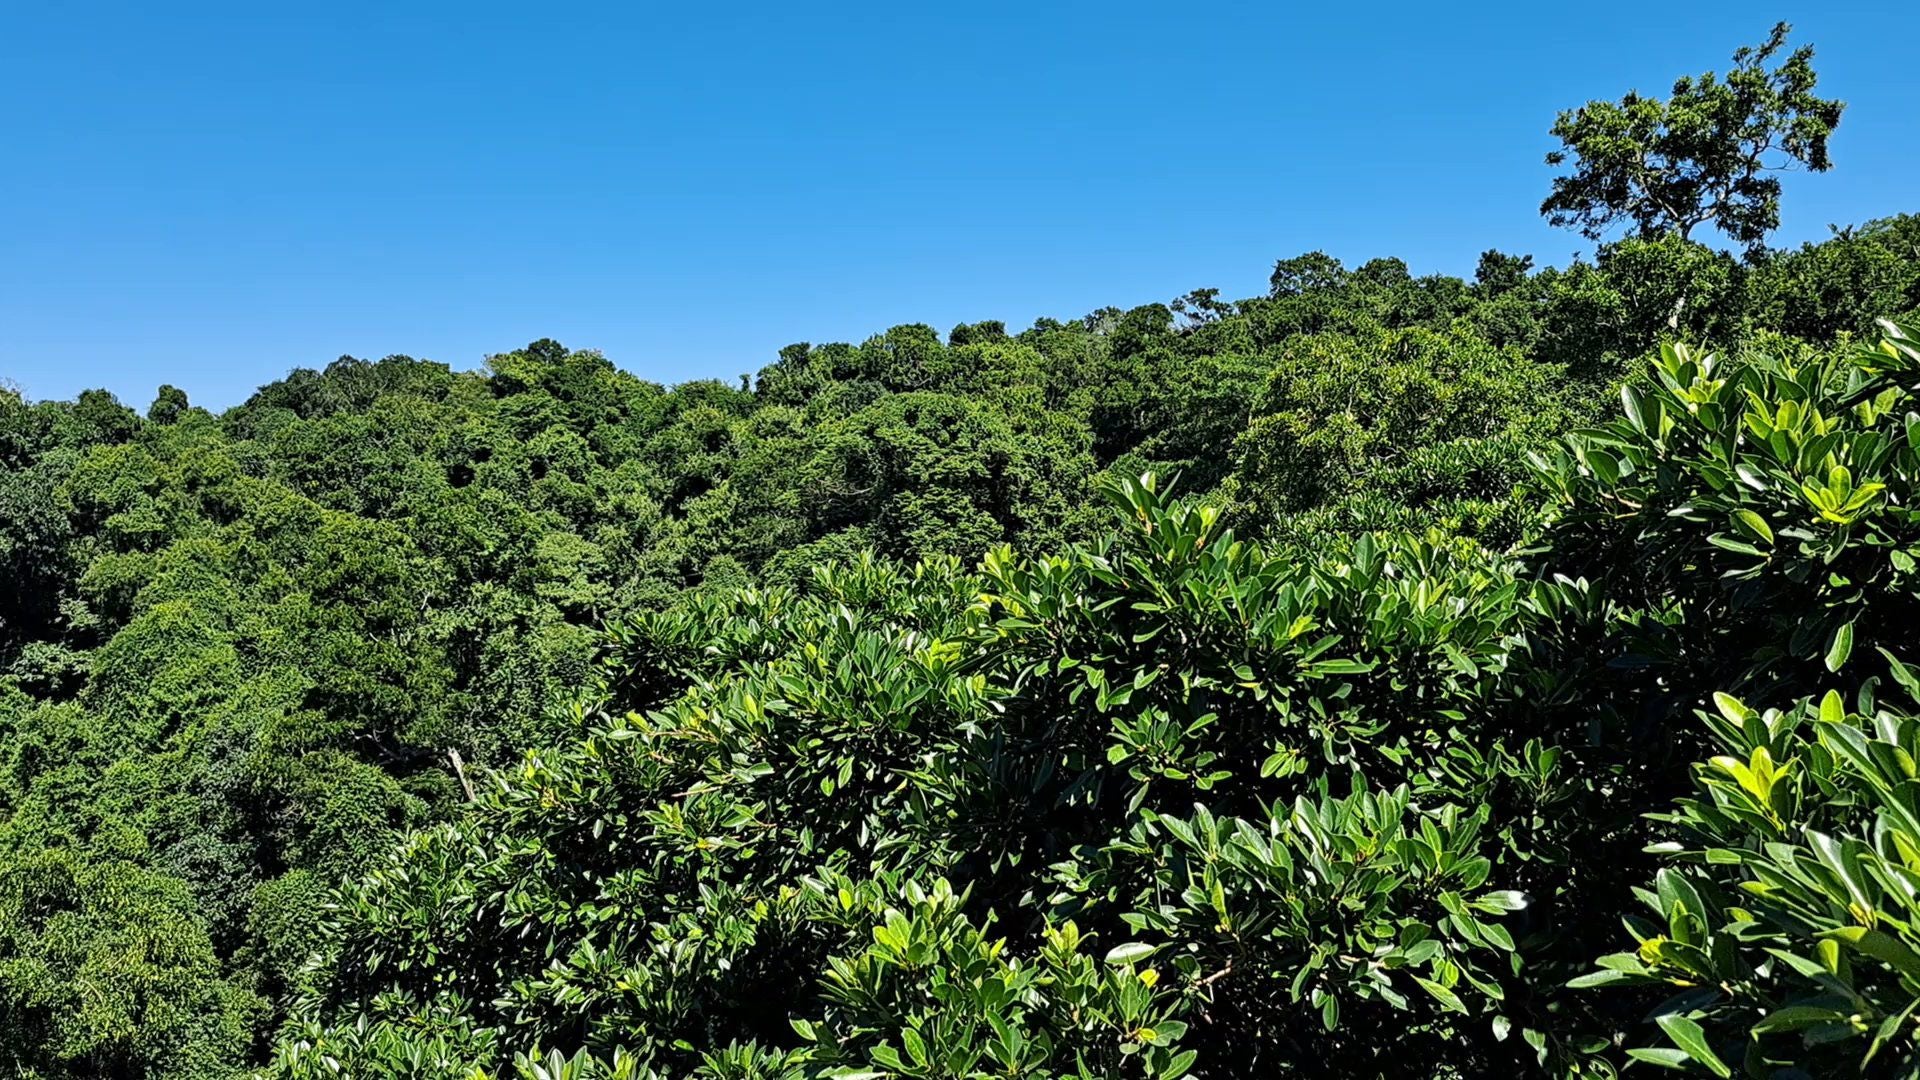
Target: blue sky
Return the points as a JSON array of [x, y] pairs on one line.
[[212, 195]]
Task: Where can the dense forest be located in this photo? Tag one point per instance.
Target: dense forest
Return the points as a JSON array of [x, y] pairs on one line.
[[1507, 675]]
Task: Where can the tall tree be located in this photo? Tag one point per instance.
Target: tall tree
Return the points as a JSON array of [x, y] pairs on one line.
[[1709, 155]]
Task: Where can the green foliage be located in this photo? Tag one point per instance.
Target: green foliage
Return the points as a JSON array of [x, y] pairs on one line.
[[1756, 504], [1273, 796], [1842, 285], [1291, 798], [769, 839], [1701, 157], [107, 970], [1357, 426], [882, 714], [1749, 516], [1786, 926]]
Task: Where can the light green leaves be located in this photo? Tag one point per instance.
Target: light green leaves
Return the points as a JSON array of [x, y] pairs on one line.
[[1131, 952], [1801, 868], [1687, 1035], [1841, 647]]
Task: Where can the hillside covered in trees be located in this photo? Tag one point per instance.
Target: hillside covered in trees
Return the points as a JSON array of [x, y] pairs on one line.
[[1505, 675]]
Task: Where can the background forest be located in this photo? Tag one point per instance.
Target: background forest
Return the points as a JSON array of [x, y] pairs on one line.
[[1277, 685]]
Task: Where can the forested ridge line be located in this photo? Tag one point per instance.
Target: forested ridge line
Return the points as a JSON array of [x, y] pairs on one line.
[[1219, 687]]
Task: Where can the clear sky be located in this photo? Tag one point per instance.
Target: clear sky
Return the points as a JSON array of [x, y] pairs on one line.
[[209, 194]]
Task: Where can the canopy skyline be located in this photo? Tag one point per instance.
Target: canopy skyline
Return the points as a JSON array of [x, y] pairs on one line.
[[688, 196]]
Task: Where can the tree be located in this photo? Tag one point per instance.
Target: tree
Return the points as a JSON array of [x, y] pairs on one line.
[[1340, 411], [1706, 156], [106, 970], [1499, 273], [167, 405]]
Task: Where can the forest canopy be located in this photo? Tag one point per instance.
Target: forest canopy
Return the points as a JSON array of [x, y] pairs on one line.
[[1512, 674]]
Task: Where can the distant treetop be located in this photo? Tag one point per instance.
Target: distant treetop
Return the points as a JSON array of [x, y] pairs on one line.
[[1708, 155]]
